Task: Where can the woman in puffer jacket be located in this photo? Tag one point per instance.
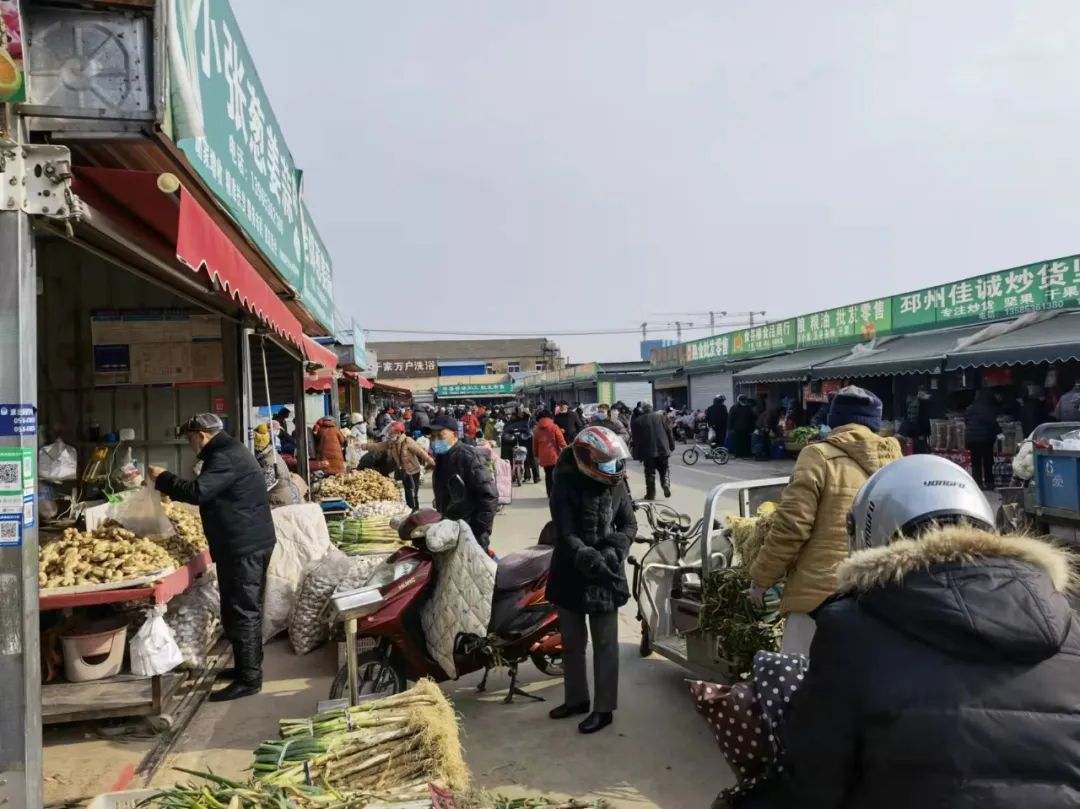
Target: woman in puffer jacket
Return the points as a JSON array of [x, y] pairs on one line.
[[947, 672], [593, 517]]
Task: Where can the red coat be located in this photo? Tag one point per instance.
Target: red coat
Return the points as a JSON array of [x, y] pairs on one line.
[[548, 442], [470, 424]]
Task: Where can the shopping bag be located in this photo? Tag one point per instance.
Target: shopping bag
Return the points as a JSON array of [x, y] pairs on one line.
[[140, 511], [154, 649]]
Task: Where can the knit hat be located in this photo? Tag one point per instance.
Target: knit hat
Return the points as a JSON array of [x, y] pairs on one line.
[[262, 437], [855, 405]]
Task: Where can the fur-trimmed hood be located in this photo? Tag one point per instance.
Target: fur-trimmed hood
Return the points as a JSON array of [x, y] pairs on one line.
[[973, 594], [952, 545]]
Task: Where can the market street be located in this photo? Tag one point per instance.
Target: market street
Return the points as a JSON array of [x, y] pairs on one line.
[[516, 748]]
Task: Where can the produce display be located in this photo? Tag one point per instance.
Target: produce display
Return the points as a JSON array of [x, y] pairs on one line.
[[108, 554], [188, 526], [748, 534], [396, 744], [194, 618], [370, 535], [801, 436], [357, 488], [741, 628], [335, 571]]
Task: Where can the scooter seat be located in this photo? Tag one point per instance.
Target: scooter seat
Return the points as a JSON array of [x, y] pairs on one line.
[[518, 569]]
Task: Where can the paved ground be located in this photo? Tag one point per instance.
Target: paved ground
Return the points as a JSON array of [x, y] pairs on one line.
[[658, 753]]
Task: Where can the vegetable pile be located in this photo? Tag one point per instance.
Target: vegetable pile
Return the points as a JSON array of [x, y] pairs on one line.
[[398, 743], [742, 628], [748, 534], [109, 554], [357, 488], [801, 436], [190, 540]]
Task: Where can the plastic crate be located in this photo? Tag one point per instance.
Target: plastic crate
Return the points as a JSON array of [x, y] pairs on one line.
[[1057, 479], [122, 800]]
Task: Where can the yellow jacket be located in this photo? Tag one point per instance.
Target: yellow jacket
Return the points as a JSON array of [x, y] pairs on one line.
[[809, 537]]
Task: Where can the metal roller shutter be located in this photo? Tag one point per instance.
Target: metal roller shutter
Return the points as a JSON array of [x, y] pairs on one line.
[[706, 387], [630, 393]]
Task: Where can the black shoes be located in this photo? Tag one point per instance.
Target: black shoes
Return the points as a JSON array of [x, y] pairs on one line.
[[595, 721], [229, 674], [565, 711], [667, 491], [235, 690]]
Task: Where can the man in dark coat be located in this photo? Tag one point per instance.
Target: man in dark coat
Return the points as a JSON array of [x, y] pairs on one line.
[[948, 674], [980, 433], [569, 421], [716, 416], [653, 444], [593, 517], [421, 420], [743, 421], [462, 482], [230, 492]]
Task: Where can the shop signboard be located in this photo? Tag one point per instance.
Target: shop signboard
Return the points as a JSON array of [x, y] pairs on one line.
[[12, 72], [223, 121], [768, 338], [478, 390], [407, 369], [1046, 285], [669, 356], [708, 349], [317, 293], [845, 324]]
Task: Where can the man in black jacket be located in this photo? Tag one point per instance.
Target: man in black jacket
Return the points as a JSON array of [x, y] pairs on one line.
[[653, 444], [716, 415], [463, 485], [569, 421], [230, 492]]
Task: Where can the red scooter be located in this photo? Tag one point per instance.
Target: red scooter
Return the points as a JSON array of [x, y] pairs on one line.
[[524, 625]]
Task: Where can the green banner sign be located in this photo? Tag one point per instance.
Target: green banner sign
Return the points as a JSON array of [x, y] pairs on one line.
[[223, 122], [317, 293], [1053, 284], [1009, 293], [478, 390]]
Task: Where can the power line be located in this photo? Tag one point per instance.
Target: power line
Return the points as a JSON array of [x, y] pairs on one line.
[[665, 327]]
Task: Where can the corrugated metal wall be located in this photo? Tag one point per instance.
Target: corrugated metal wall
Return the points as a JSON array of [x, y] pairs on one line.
[[75, 282]]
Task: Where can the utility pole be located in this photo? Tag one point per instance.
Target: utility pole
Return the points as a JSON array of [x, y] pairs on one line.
[[752, 317], [644, 331], [20, 655]]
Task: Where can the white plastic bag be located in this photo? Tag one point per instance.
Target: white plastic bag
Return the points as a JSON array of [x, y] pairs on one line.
[[141, 512], [1023, 464], [153, 649], [58, 462]]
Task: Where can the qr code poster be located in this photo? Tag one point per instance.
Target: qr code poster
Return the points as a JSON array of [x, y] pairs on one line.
[[16, 470], [11, 474], [10, 530]]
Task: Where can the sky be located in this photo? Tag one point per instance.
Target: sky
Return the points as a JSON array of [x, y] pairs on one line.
[[583, 165]]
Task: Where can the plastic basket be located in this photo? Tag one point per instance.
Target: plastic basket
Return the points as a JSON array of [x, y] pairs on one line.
[[122, 800]]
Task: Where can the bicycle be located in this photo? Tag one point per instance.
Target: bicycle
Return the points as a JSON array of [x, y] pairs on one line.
[[718, 455]]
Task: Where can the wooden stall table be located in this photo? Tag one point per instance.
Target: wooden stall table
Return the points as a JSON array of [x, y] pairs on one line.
[[125, 694]]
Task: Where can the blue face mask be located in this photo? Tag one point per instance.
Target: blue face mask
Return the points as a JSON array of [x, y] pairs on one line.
[[601, 415], [440, 446], [609, 468]]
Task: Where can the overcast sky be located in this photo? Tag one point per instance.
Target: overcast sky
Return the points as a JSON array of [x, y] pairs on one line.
[[585, 164]]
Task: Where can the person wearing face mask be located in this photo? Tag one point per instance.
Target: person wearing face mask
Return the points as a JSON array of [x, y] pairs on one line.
[[230, 492], [476, 497], [603, 418]]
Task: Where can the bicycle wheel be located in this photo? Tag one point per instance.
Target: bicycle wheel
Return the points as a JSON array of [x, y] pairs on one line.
[[721, 456], [690, 456]]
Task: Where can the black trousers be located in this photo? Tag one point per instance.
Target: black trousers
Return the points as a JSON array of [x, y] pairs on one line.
[[605, 639], [549, 478], [241, 582], [982, 463], [532, 467], [654, 465], [411, 484]]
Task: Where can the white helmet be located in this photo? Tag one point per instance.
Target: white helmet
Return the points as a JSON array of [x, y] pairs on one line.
[[907, 495]]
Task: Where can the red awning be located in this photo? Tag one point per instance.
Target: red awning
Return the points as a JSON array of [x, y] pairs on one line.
[[320, 354], [365, 383], [200, 243], [318, 383]]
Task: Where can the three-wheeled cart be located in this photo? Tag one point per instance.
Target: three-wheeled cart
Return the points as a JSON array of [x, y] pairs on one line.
[[668, 578], [1049, 504]]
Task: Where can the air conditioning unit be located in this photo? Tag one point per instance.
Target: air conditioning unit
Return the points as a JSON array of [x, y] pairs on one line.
[[90, 71]]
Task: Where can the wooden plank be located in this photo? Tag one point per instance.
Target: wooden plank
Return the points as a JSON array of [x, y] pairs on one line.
[[122, 695]]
